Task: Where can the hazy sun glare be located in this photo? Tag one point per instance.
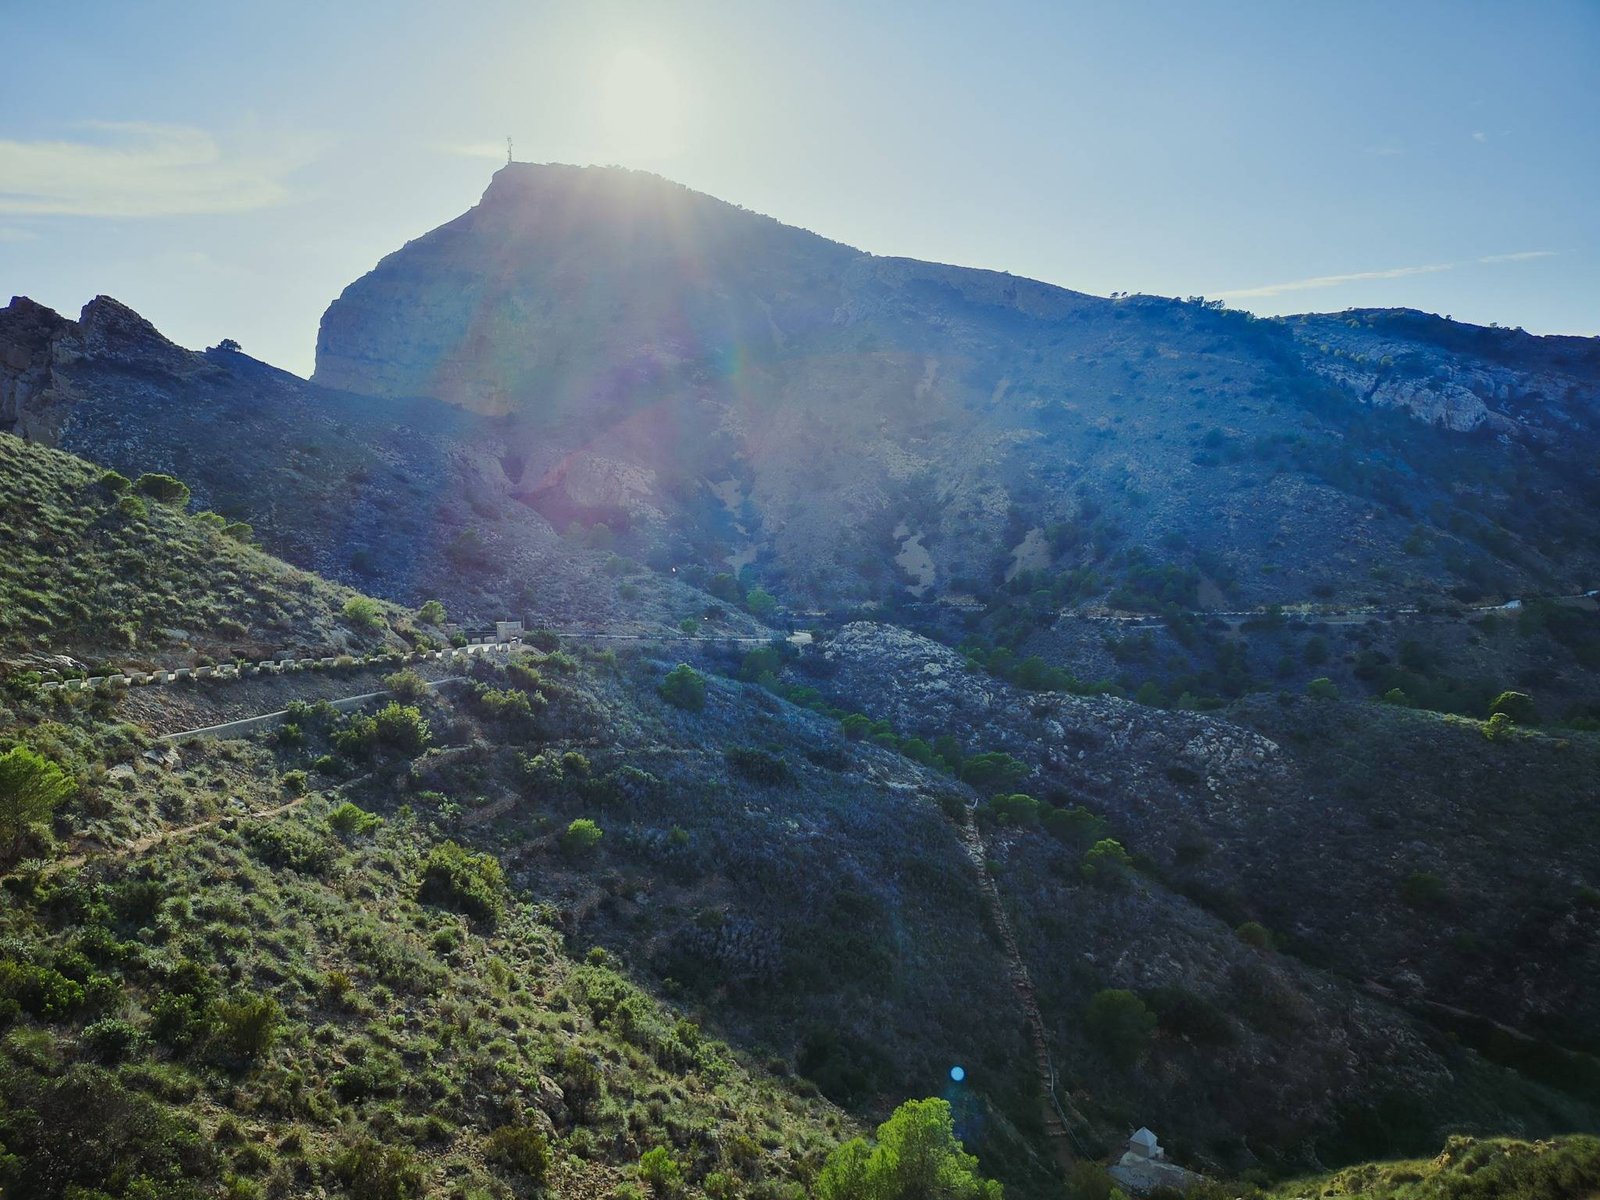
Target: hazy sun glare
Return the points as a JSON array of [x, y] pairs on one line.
[[641, 106]]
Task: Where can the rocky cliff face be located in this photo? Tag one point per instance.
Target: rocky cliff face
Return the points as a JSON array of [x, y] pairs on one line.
[[654, 352], [39, 348], [1457, 377]]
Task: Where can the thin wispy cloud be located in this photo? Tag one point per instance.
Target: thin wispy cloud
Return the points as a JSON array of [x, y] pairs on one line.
[[127, 169], [10, 233], [1520, 256], [1317, 282], [1479, 135]]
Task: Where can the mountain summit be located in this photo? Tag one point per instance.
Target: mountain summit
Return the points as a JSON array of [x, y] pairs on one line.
[[731, 389]]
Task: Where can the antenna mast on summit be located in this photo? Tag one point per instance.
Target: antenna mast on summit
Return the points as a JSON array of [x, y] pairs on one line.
[[508, 152]]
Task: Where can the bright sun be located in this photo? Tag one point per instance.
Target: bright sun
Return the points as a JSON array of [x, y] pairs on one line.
[[641, 106]]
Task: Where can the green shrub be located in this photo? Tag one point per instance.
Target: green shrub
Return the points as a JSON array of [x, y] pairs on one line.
[[111, 1040], [1322, 688], [247, 1025], [856, 726], [349, 819], [363, 613], [512, 706], [758, 766], [114, 482], [579, 1080], [432, 613], [291, 845], [164, 488], [661, 1173], [1017, 808], [581, 838], [1107, 864], [133, 508], [42, 991], [1121, 1024], [1500, 728], [76, 1132], [31, 786], [1187, 1014], [372, 1171], [522, 1148], [239, 531], [761, 602], [684, 688], [993, 770], [1074, 825], [397, 728], [474, 884], [916, 1154], [294, 782], [1253, 933], [1517, 706], [1424, 889], [406, 685]]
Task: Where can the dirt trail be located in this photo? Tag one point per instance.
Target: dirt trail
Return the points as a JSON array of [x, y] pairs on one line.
[[1055, 1115], [150, 841]]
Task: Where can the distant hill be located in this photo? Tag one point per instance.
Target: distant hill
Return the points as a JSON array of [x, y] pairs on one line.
[[727, 390]]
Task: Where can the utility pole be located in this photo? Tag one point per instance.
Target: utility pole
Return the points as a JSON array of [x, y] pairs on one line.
[[508, 151]]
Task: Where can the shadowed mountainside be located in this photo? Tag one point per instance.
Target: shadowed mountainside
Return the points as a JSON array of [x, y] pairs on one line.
[[735, 389]]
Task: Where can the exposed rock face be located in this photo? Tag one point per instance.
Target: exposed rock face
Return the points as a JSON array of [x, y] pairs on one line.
[[39, 347], [1115, 751], [1455, 377], [31, 406], [483, 311]]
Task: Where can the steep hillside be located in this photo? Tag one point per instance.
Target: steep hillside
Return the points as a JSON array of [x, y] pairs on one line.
[[799, 895], [101, 568], [1565, 1169], [733, 390], [298, 1006], [718, 923], [1413, 855]]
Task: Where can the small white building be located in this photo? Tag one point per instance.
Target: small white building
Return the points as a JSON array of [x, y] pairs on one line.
[[1144, 1146], [1143, 1167]]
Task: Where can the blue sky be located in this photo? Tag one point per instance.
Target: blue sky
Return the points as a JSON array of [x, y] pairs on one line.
[[227, 169]]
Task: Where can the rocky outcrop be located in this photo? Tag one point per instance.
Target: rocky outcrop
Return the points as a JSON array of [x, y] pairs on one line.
[[45, 360], [1114, 751], [1504, 381], [32, 406]]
